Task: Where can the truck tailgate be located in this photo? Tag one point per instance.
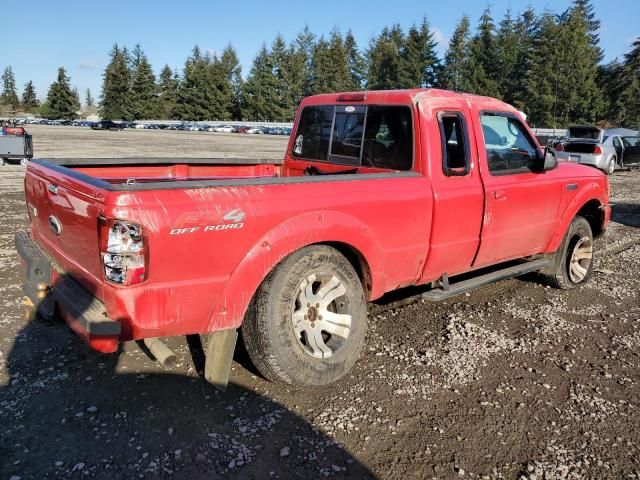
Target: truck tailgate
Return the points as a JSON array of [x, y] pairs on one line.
[[64, 220]]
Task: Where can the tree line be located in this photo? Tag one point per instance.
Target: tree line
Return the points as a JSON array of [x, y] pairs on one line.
[[548, 65]]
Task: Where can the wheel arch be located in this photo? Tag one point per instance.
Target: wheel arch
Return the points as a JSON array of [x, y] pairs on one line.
[[348, 235], [593, 213], [589, 204]]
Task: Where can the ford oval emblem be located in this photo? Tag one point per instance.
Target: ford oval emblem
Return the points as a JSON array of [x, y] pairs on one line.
[[56, 226]]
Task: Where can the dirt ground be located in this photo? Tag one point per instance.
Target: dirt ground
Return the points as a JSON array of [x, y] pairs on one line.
[[512, 381]]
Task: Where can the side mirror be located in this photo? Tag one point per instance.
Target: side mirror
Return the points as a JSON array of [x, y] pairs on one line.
[[547, 158]]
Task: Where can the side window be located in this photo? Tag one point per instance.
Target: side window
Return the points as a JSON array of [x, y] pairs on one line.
[[455, 145], [510, 150], [346, 140], [314, 133], [388, 138], [616, 143]]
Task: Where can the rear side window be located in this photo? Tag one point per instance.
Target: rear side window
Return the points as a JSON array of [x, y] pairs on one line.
[[375, 136], [314, 133], [455, 144], [510, 150]]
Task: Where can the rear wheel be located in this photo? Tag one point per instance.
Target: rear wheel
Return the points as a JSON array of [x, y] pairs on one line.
[[306, 324], [612, 166], [572, 264]]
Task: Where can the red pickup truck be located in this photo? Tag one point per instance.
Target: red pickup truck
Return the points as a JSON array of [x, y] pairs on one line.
[[377, 191]]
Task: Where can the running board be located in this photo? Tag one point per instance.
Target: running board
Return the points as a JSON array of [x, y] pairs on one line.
[[451, 290]]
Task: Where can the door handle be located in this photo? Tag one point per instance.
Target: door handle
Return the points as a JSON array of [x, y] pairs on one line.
[[53, 188], [500, 195]]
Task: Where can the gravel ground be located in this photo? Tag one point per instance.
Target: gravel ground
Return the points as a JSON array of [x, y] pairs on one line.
[[512, 381]]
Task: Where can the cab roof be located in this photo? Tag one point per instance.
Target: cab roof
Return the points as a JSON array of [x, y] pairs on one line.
[[407, 96]]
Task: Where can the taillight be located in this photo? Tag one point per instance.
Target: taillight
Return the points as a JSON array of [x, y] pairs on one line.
[[597, 150], [559, 148], [123, 251]]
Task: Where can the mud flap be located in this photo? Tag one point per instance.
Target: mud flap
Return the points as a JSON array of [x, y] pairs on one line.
[[220, 348]]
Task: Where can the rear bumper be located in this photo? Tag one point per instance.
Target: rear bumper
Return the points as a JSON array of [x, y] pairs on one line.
[[50, 291], [599, 161]]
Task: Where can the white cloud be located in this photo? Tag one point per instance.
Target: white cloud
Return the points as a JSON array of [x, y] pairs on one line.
[[441, 38], [87, 65]]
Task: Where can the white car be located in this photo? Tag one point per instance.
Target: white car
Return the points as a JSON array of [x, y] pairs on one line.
[[223, 129], [603, 149]]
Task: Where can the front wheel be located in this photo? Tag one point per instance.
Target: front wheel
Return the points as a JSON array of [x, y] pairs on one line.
[[571, 265], [306, 324]]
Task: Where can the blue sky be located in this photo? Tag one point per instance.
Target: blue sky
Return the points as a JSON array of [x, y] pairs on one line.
[[79, 34]]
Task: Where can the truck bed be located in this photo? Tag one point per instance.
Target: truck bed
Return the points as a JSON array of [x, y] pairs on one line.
[[130, 173], [133, 174]]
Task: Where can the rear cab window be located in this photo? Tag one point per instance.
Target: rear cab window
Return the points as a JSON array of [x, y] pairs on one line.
[[379, 136]]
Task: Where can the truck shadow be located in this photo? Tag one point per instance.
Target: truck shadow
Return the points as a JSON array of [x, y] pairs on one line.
[[627, 214], [69, 412]]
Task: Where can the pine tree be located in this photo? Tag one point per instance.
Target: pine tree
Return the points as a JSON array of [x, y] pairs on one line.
[[88, 99], [456, 71], [411, 73], [116, 86], [76, 100], [167, 93], [580, 99], [62, 102], [259, 92], [483, 60], [331, 65], [29, 100], [428, 56], [144, 94], [542, 75], [196, 94], [355, 61], [626, 102], [279, 60], [516, 44], [305, 45], [384, 57], [232, 85], [9, 95], [294, 75], [419, 65], [508, 45]]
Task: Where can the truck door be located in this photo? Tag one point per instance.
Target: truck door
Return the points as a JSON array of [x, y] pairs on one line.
[[521, 206], [617, 144], [631, 150], [458, 195]]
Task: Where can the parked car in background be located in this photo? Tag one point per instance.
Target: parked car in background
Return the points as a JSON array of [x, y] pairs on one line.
[[107, 125], [603, 149], [222, 129], [16, 145], [255, 130]]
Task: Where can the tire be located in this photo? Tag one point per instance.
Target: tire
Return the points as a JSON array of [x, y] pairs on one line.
[[611, 167], [572, 264], [303, 353]]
